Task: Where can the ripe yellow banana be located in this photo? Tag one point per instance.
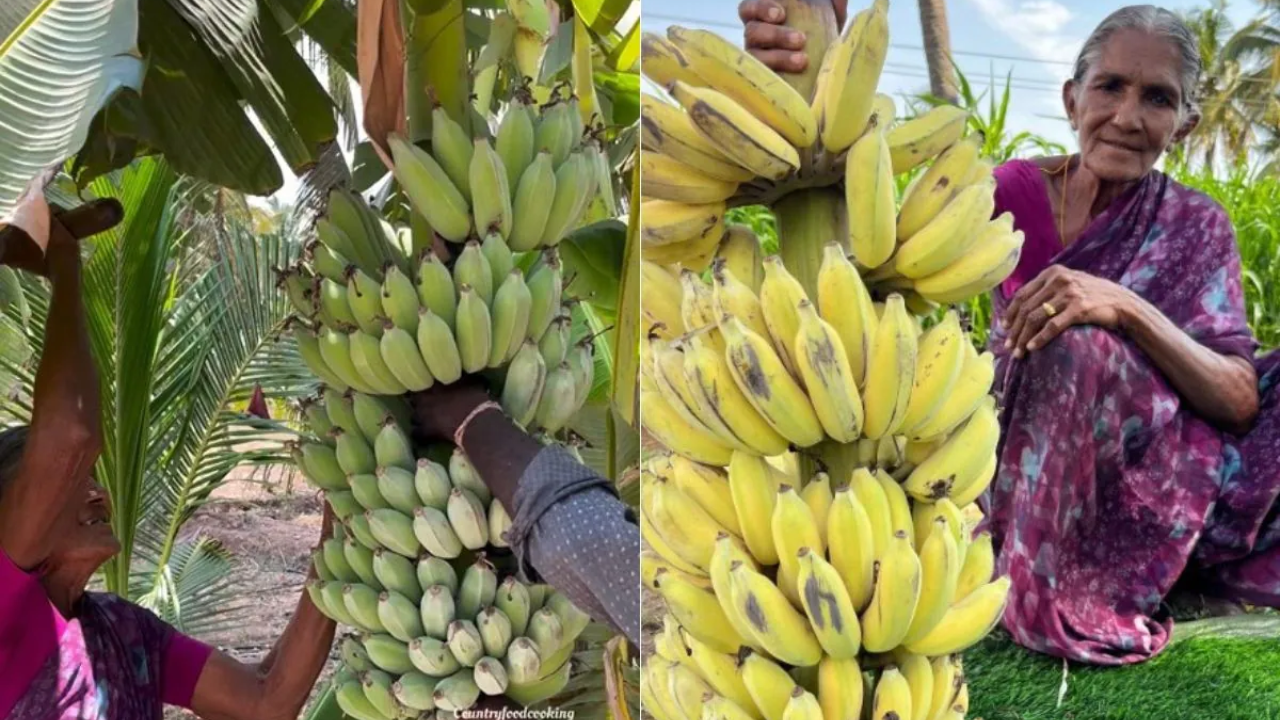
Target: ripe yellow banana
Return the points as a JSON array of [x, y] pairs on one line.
[[869, 194], [729, 550], [697, 306], [855, 73], [665, 424], [824, 368], [698, 612], [948, 678], [964, 495], [890, 371], [732, 297], [939, 573], [754, 485], [667, 552], [939, 363], [936, 188], [871, 496], [688, 689], [991, 259], [762, 378], [925, 136], [780, 297], [667, 129], [658, 676], [660, 300], [900, 519], [803, 705], [720, 670], [967, 621], [852, 546], [976, 376], [794, 528], [720, 400], [672, 642], [736, 132], [827, 603], [845, 303], [924, 513], [663, 63], [840, 688], [691, 529], [769, 685], [919, 675], [888, 618], [709, 487], [892, 698], [666, 178], [817, 495], [776, 625], [742, 255], [694, 254], [719, 707], [674, 390], [669, 375], [950, 235], [651, 560], [961, 458], [429, 189], [979, 565], [664, 222], [751, 83]]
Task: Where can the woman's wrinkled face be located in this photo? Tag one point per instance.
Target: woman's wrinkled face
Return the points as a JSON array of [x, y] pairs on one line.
[[84, 535], [1126, 108]]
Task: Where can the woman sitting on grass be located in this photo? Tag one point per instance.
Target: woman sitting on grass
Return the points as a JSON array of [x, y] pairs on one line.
[[1135, 448]]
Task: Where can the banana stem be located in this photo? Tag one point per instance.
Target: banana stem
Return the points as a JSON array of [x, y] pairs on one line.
[[817, 20], [807, 221], [836, 459]]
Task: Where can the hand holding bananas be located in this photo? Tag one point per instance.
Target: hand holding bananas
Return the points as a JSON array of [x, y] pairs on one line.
[[53, 227], [781, 49], [1058, 298]]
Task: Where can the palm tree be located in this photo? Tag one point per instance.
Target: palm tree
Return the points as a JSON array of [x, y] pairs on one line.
[[937, 49]]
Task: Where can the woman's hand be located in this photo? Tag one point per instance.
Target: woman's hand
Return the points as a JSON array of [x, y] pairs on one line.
[[1057, 299], [781, 48], [66, 229], [441, 410]]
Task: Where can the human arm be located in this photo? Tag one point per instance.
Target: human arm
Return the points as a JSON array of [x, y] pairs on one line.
[[65, 436], [277, 687], [1223, 389], [778, 47]]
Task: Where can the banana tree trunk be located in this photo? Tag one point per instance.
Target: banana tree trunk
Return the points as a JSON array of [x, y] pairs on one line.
[[436, 67], [937, 49]]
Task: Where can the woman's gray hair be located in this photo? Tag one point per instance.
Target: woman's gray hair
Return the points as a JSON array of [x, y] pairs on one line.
[[1159, 22], [12, 442]]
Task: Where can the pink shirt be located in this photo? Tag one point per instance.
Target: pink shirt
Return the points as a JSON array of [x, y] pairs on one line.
[[1020, 189], [113, 661]]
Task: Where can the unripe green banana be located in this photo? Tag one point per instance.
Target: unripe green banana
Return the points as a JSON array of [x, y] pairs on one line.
[[431, 656], [438, 348], [530, 208], [472, 268], [431, 528], [414, 691], [366, 356], [437, 571], [392, 449], [572, 618], [522, 662], [343, 503], [545, 287], [396, 572], [430, 191], [457, 692], [451, 147], [351, 699], [298, 287], [554, 344], [573, 186], [400, 300], [463, 474], [352, 215], [431, 482], [388, 653], [495, 631], [542, 689], [499, 524], [474, 330], [396, 487], [491, 202], [328, 263], [490, 676], [479, 589], [340, 408], [364, 296], [371, 411], [514, 141], [308, 344], [582, 364], [317, 418], [513, 600], [353, 655], [547, 631], [360, 558], [358, 526], [510, 314], [467, 517], [330, 601], [465, 643], [334, 305], [499, 255], [526, 376], [365, 488], [336, 560], [362, 602], [436, 291], [577, 123], [394, 531], [438, 611], [322, 568], [401, 355], [399, 616], [320, 465], [354, 455], [335, 348], [554, 133], [558, 402], [333, 238]]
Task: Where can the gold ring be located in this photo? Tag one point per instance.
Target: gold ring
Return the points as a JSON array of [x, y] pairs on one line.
[[1049, 309]]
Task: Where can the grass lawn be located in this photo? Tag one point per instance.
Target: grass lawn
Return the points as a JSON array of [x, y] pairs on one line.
[[1223, 669]]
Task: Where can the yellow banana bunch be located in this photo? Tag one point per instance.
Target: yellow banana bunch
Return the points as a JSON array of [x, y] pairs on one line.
[[736, 132], [665, 424], [751, 83], [939, 185], [709, 487], [845, 303], [939, 573], [824, 368], [919, 676], [665, 178], [851, 546], [652, 560], [769, 685], [967, 621], [695, 253], [973, 384], [890, 371], [900, 519], [939, 363], [754, 485], [721, 673], [991, 259], [740, 250], [667, 551], [729, 550], [698, 612], [672, 642], [840, 687], [950, 235], [871, 496], [924, 137], [850, 89], [924, 513], [869, 195], [979, 565], [689, 528], [776, 625], [761, 376], [663, 63], [667, 129], [722, 402], [730, 297], [892, 698], [794, 528], [948, 678], [964, 495], [827, 604], [817, 495], [688, 689], [780, 297], [675, 389], [961, 458], [803, 705], [887, 619], [660, 300]]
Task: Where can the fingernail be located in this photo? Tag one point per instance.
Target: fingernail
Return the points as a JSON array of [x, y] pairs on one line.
[[775, 14], [1008, 344], [1017, 354], [797, 58], [1032, 345], [796, 37]]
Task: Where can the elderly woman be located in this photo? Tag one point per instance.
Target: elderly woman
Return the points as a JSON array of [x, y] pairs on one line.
[[66, 653], [1134, 450]]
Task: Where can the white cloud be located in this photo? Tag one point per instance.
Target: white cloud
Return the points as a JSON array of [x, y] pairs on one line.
[[1038, 26]]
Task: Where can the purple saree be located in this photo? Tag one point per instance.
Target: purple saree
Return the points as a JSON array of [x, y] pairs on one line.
[[1109, 488]]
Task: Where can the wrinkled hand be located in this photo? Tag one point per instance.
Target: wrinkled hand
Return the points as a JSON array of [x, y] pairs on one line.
[[1077, 298], [439, 411], [66, 229], [778, 47]]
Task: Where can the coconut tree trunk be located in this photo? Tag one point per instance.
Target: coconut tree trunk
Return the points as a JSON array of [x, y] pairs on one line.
[[937, 49]]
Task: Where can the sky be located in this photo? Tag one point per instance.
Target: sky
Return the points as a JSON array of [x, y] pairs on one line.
[[1036, 40]]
